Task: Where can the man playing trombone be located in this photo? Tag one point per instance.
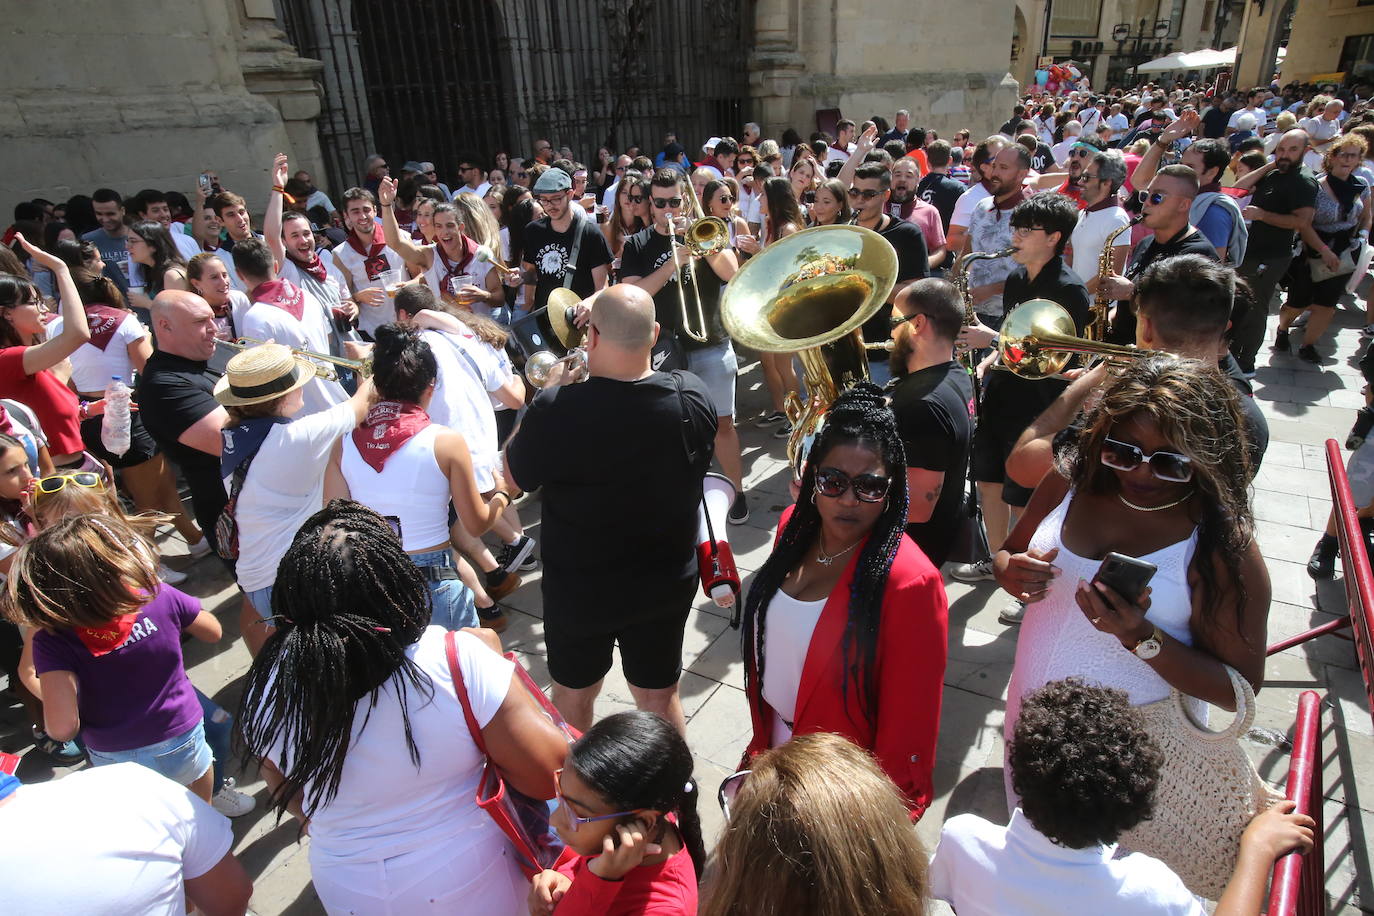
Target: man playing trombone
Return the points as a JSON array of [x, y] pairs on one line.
[[686, 291]]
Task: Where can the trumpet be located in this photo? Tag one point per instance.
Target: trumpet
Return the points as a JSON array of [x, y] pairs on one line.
[[328, 372], [1037, 341], [703, 236]]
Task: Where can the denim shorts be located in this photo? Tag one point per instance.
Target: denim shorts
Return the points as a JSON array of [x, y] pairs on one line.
[[717, 367], [454, 604], [261, 599], [182, 758]]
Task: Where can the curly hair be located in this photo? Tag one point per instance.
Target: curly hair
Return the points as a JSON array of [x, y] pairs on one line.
[[859, 416], [1083, 763], [1198, 412]]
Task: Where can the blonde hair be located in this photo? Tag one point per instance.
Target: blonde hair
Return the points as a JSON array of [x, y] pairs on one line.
[[84, 571], [477, 221], [50, 508], [817, 829], [1345, 141]]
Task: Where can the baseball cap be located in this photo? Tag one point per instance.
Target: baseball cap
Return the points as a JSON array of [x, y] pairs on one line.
[[412, 166], [553, 180], [709, 146]]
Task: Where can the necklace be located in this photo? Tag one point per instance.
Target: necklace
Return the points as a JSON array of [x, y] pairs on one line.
[[1130, 505], [821, 556]]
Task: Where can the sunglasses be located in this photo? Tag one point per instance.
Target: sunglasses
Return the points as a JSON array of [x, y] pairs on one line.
[[1085, 177], [725, 199], [1169, 466], [729, 789], [868, 488], [57, 482], [869, 194], [572, 816], [747, 163], [664, 203], [1079, 152], [635, 198], [896, 321], [1156, 198]]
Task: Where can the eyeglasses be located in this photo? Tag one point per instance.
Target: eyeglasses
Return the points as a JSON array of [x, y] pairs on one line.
[[57, 482], [1023, 231], [572, 815], [664, 203], [544, 199], [1170, 466], [746, 163], [729, 789], [867, 194], [869, 488], [1086, 177]]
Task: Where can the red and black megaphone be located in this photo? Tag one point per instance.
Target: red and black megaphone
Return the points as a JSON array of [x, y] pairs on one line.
[[719, 578]]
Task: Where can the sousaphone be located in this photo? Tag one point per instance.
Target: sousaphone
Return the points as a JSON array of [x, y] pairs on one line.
[[810, 294]]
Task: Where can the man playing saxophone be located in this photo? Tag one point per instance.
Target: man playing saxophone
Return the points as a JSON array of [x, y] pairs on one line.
[[1101, 240]]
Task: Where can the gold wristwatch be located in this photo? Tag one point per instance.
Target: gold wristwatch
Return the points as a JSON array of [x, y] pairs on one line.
[[1150, 646]]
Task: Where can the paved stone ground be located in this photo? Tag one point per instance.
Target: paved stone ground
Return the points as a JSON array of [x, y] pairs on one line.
[[1305, 405]]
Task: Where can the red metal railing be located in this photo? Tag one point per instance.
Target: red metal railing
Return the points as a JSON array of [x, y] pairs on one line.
[[1298, 886], [1359, 578]]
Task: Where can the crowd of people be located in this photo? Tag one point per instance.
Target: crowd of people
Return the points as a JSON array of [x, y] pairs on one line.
[[340, 389]]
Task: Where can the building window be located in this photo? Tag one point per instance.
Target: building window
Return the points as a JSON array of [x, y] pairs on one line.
[[1357, 58], [1075, 18], [1176, 18]]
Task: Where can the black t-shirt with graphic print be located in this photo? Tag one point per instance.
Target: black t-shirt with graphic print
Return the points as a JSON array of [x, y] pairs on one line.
[[549, 251]]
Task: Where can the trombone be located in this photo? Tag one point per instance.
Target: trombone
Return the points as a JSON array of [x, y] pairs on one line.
[[330, 372], [703, 236], [1037, 341]]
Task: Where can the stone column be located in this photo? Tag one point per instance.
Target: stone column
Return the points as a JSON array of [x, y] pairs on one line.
[[777, 64], [275, 72]]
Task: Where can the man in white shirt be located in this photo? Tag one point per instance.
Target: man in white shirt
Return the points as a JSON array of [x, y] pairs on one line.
[[153, 204], [1321, 130], [285, 313], [622, 162], [977, 191], [1254, 106], [844, 141], [1118, 121], [1081, 787], [1072, 131], [1091, 115], [145, 845], [363, 257], [1100, 180], [474, 178]]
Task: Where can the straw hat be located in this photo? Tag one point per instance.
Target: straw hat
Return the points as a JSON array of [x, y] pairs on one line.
[[262, 373]]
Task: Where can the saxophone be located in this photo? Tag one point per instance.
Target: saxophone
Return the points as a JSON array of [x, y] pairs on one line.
[[1102, 304], [966, 294]]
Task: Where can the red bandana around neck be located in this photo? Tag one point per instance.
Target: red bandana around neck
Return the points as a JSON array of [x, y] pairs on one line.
[[374, 257], [387, 427], [6, 424], [314, 267], [452, 270], [104, 320], [104, 639], [284, 294]]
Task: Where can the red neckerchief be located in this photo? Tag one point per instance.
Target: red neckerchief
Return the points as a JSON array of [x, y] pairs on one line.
[[107, 637], [903, 210], [1069, 189], [387, 427], [104, 320], [1012, 201], [6, 424], [314, 267], [284, 294], [453, 270], [1104, 203], [374, 258]]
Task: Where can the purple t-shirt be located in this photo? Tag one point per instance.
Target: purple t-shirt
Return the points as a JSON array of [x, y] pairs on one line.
[[138, 694]]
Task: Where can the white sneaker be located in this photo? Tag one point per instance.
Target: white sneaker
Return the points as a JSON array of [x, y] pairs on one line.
[[1013, 613], [231, 802], [973, 572], [169, 575], [200, 548]]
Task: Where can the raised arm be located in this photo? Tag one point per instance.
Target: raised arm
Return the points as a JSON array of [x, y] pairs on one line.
[[411, 253], [271, 220], [862, 147], [75, 330]]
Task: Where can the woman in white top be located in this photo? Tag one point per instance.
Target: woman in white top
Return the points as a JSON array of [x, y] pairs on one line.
[[407, 468], [450, 266], [284, 484], [118, 347], [353, 711], [1155, 473]]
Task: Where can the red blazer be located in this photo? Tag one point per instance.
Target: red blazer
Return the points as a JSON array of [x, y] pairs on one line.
[[912, 648]]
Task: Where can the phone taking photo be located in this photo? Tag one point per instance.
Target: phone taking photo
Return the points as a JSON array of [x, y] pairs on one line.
[[1127, 576]]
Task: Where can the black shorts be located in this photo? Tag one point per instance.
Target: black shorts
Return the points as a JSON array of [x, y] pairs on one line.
[[141, 444], [993, 441], [650, 640]]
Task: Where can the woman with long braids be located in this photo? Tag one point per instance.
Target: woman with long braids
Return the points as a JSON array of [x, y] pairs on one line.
[[352, 710], [1155, 474], [855, 647], [628, 807]]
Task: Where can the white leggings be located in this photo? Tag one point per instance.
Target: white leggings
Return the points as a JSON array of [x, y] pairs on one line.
[[426, 881]]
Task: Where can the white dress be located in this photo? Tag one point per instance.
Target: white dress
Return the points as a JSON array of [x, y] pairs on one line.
[[1057, 641]]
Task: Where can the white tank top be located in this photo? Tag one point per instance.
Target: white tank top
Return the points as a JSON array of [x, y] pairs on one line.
[[410, 487], [476, 269]]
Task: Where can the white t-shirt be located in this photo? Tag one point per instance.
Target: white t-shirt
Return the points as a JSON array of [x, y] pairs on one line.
[[750, 207], [1060, 150], [387, 806], [981, 869], [284, 487], [92, 367], [480, 191], [963, 207], [1091, 234], [468, 370], [318, 198], [1260, 118], [1120, 124], [1318, 129], [110, 840], [791, 624], [268, 322], [370, 317]]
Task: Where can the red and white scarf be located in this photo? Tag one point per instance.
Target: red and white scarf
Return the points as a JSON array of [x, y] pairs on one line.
[[387, 427], [284, 294], [374, 257], [104, 320], [450, 269]]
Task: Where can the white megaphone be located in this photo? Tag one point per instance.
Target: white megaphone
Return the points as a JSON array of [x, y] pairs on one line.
[[719, 578]]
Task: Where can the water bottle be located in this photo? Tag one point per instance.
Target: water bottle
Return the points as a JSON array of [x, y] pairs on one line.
[[114, 427]]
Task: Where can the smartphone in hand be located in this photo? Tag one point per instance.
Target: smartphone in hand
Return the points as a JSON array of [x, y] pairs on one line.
[[1128, 576]]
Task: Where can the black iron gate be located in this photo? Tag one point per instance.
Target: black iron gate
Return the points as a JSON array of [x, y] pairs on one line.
[[439, 80]]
